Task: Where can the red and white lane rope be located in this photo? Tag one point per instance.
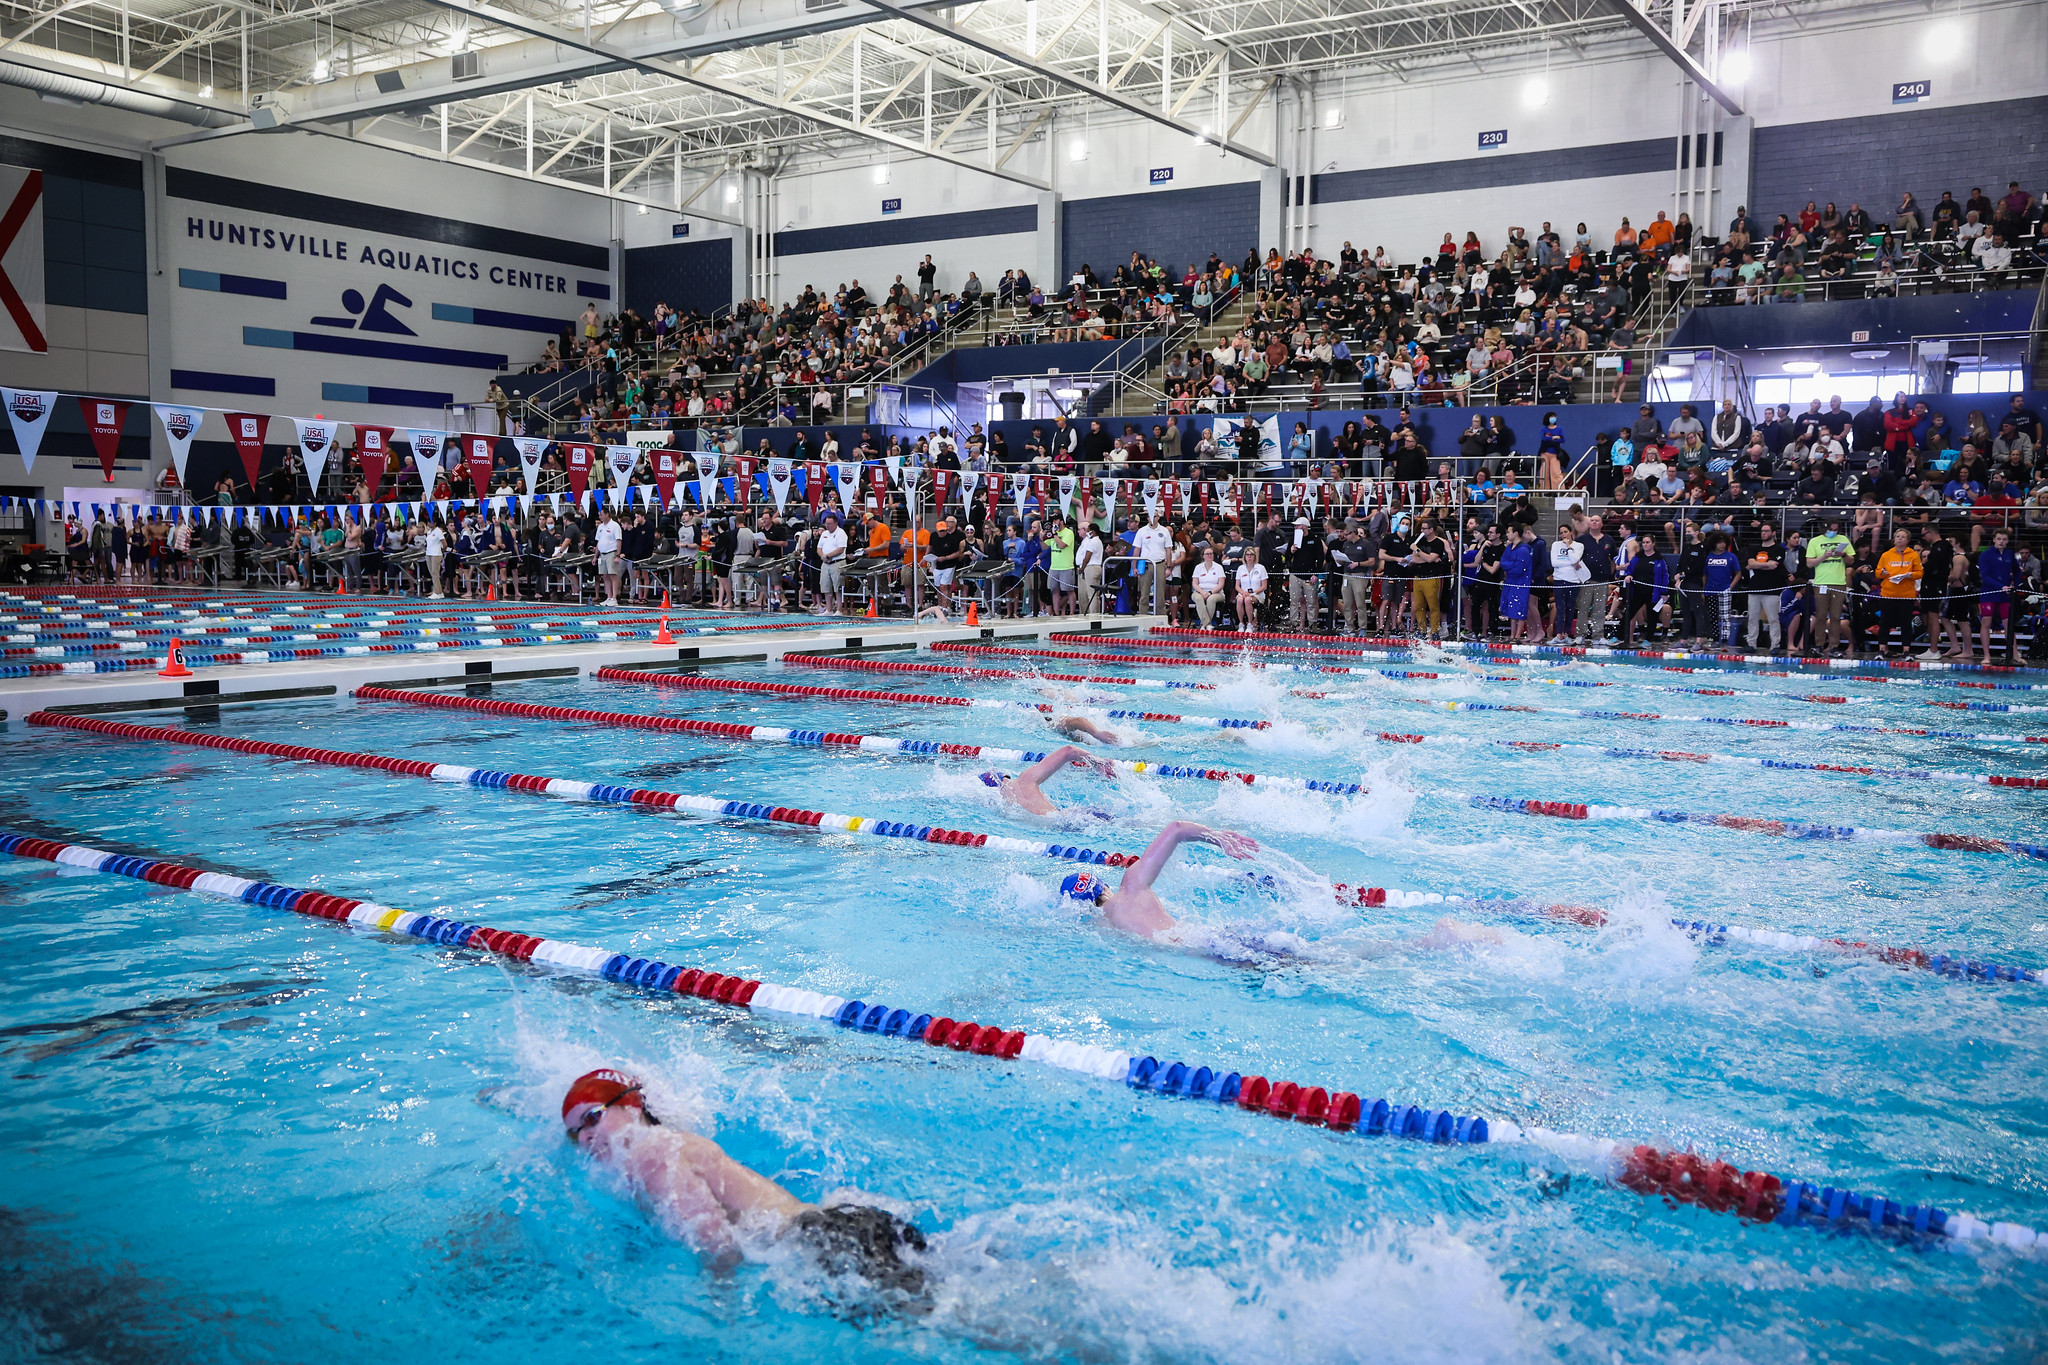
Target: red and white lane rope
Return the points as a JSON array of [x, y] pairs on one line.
[[1681, 1177], [865, 744], [698, 682], [751, 812], [588, 791], [959, 671]]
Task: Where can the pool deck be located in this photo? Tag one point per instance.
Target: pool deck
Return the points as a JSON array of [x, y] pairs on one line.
[[242, 684]]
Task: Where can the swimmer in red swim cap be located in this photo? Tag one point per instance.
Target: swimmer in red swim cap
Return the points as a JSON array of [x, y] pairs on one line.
[[698, 1193]]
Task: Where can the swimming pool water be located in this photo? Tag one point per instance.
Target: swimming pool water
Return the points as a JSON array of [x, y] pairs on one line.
[[240, 1134]]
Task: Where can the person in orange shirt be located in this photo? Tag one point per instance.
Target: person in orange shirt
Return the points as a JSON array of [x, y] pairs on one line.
[[914, 552], [1898, 584], [1624, 238], [1657, 235]]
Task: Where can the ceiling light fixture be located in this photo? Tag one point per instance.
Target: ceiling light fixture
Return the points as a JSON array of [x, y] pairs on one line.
[[1801, 367]]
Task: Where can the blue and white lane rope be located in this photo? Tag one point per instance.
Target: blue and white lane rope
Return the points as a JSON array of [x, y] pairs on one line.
[[1684, 1177], [873, 744], [1736, 722], [1629, 655], [604, 793]]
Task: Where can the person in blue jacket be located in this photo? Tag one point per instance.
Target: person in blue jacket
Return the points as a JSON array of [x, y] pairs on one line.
[[1519, 564], [1997, 570], [1722, 568]]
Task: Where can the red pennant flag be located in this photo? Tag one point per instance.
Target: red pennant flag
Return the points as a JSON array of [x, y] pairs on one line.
[[942, 487], [878, 486], [247, 428], [995, 498], [373, 452], [1041, 489], [579, 458], [1202, 489], [1266, 494], [103, 420], [476, 450], [1169, 496], [814, 485], [1086, 486], [665, 475]]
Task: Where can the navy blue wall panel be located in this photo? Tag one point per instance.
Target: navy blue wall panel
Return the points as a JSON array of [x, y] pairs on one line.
[[1488, 172], [1174, 227], [93, 252], [687, 276], [1870, 160], [899, 231], [1889, 321]]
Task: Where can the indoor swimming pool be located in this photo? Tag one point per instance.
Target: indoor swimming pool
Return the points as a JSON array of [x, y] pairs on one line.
[[1590, 902]]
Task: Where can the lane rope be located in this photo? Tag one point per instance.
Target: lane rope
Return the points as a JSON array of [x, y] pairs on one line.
[[700, 682], [1680, 1177]]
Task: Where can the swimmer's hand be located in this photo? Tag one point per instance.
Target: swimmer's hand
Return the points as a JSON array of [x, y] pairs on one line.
[[1238, 846]]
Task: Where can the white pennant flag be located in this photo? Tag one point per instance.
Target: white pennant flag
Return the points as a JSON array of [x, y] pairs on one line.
[[847, 478], [1151, 491], [1020, 486], [969, 481], [180, 426], [895, 464], [1187, 497], [620, 460], [1109, 501], [778, 480], [1067, 482], [531, 448], [426, 457], [707, 477], [29, 411], [316, 440]]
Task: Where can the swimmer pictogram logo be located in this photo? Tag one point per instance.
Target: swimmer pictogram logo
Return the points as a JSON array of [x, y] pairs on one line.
[[21, 261], [373, 316]]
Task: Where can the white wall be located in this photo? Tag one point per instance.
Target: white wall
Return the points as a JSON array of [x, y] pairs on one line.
[[1972, 54]]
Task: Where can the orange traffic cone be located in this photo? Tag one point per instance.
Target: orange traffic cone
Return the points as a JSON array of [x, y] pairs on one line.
[[974, 613], [491, 593], [871, 609], [341, 584], [174, 662], [664, 601], [662, 637]]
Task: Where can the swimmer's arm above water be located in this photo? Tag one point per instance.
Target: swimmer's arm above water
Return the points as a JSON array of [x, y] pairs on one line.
[[1141, 874], [1069, 725], [1052, 763]]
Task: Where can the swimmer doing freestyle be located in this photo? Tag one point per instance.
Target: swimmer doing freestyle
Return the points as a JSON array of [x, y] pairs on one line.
[[699, 1194], [1026, 787], [1135, 909]]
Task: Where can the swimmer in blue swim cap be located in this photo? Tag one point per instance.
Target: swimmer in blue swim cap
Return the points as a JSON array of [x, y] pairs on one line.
[[1132, 906], [1024, 788]]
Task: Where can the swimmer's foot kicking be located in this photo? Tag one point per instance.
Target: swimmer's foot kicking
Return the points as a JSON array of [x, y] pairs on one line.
[[698, 1193], [1024, 788]]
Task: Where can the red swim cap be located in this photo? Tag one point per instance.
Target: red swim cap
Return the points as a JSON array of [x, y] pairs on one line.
[[603, 1086]]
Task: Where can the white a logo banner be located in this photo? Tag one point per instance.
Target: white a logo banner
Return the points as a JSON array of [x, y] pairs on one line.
[[969, 481], [316, 440], [846, 478], [1067, 482], [778, 480], [426, 457], [1151, 489], [1109, 500], [620, 460], [1020, 486], [707, 477], [180, 426], [28, 410], [531, 448]]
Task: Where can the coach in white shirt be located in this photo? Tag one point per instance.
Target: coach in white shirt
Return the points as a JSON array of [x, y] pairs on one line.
[[831, 565], [1153, 543], [609, 538], [1209, 578], [1251, 590], [1088, 570]]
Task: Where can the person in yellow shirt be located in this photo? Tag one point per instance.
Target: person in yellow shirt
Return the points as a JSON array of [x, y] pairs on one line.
[[1898, 584]]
